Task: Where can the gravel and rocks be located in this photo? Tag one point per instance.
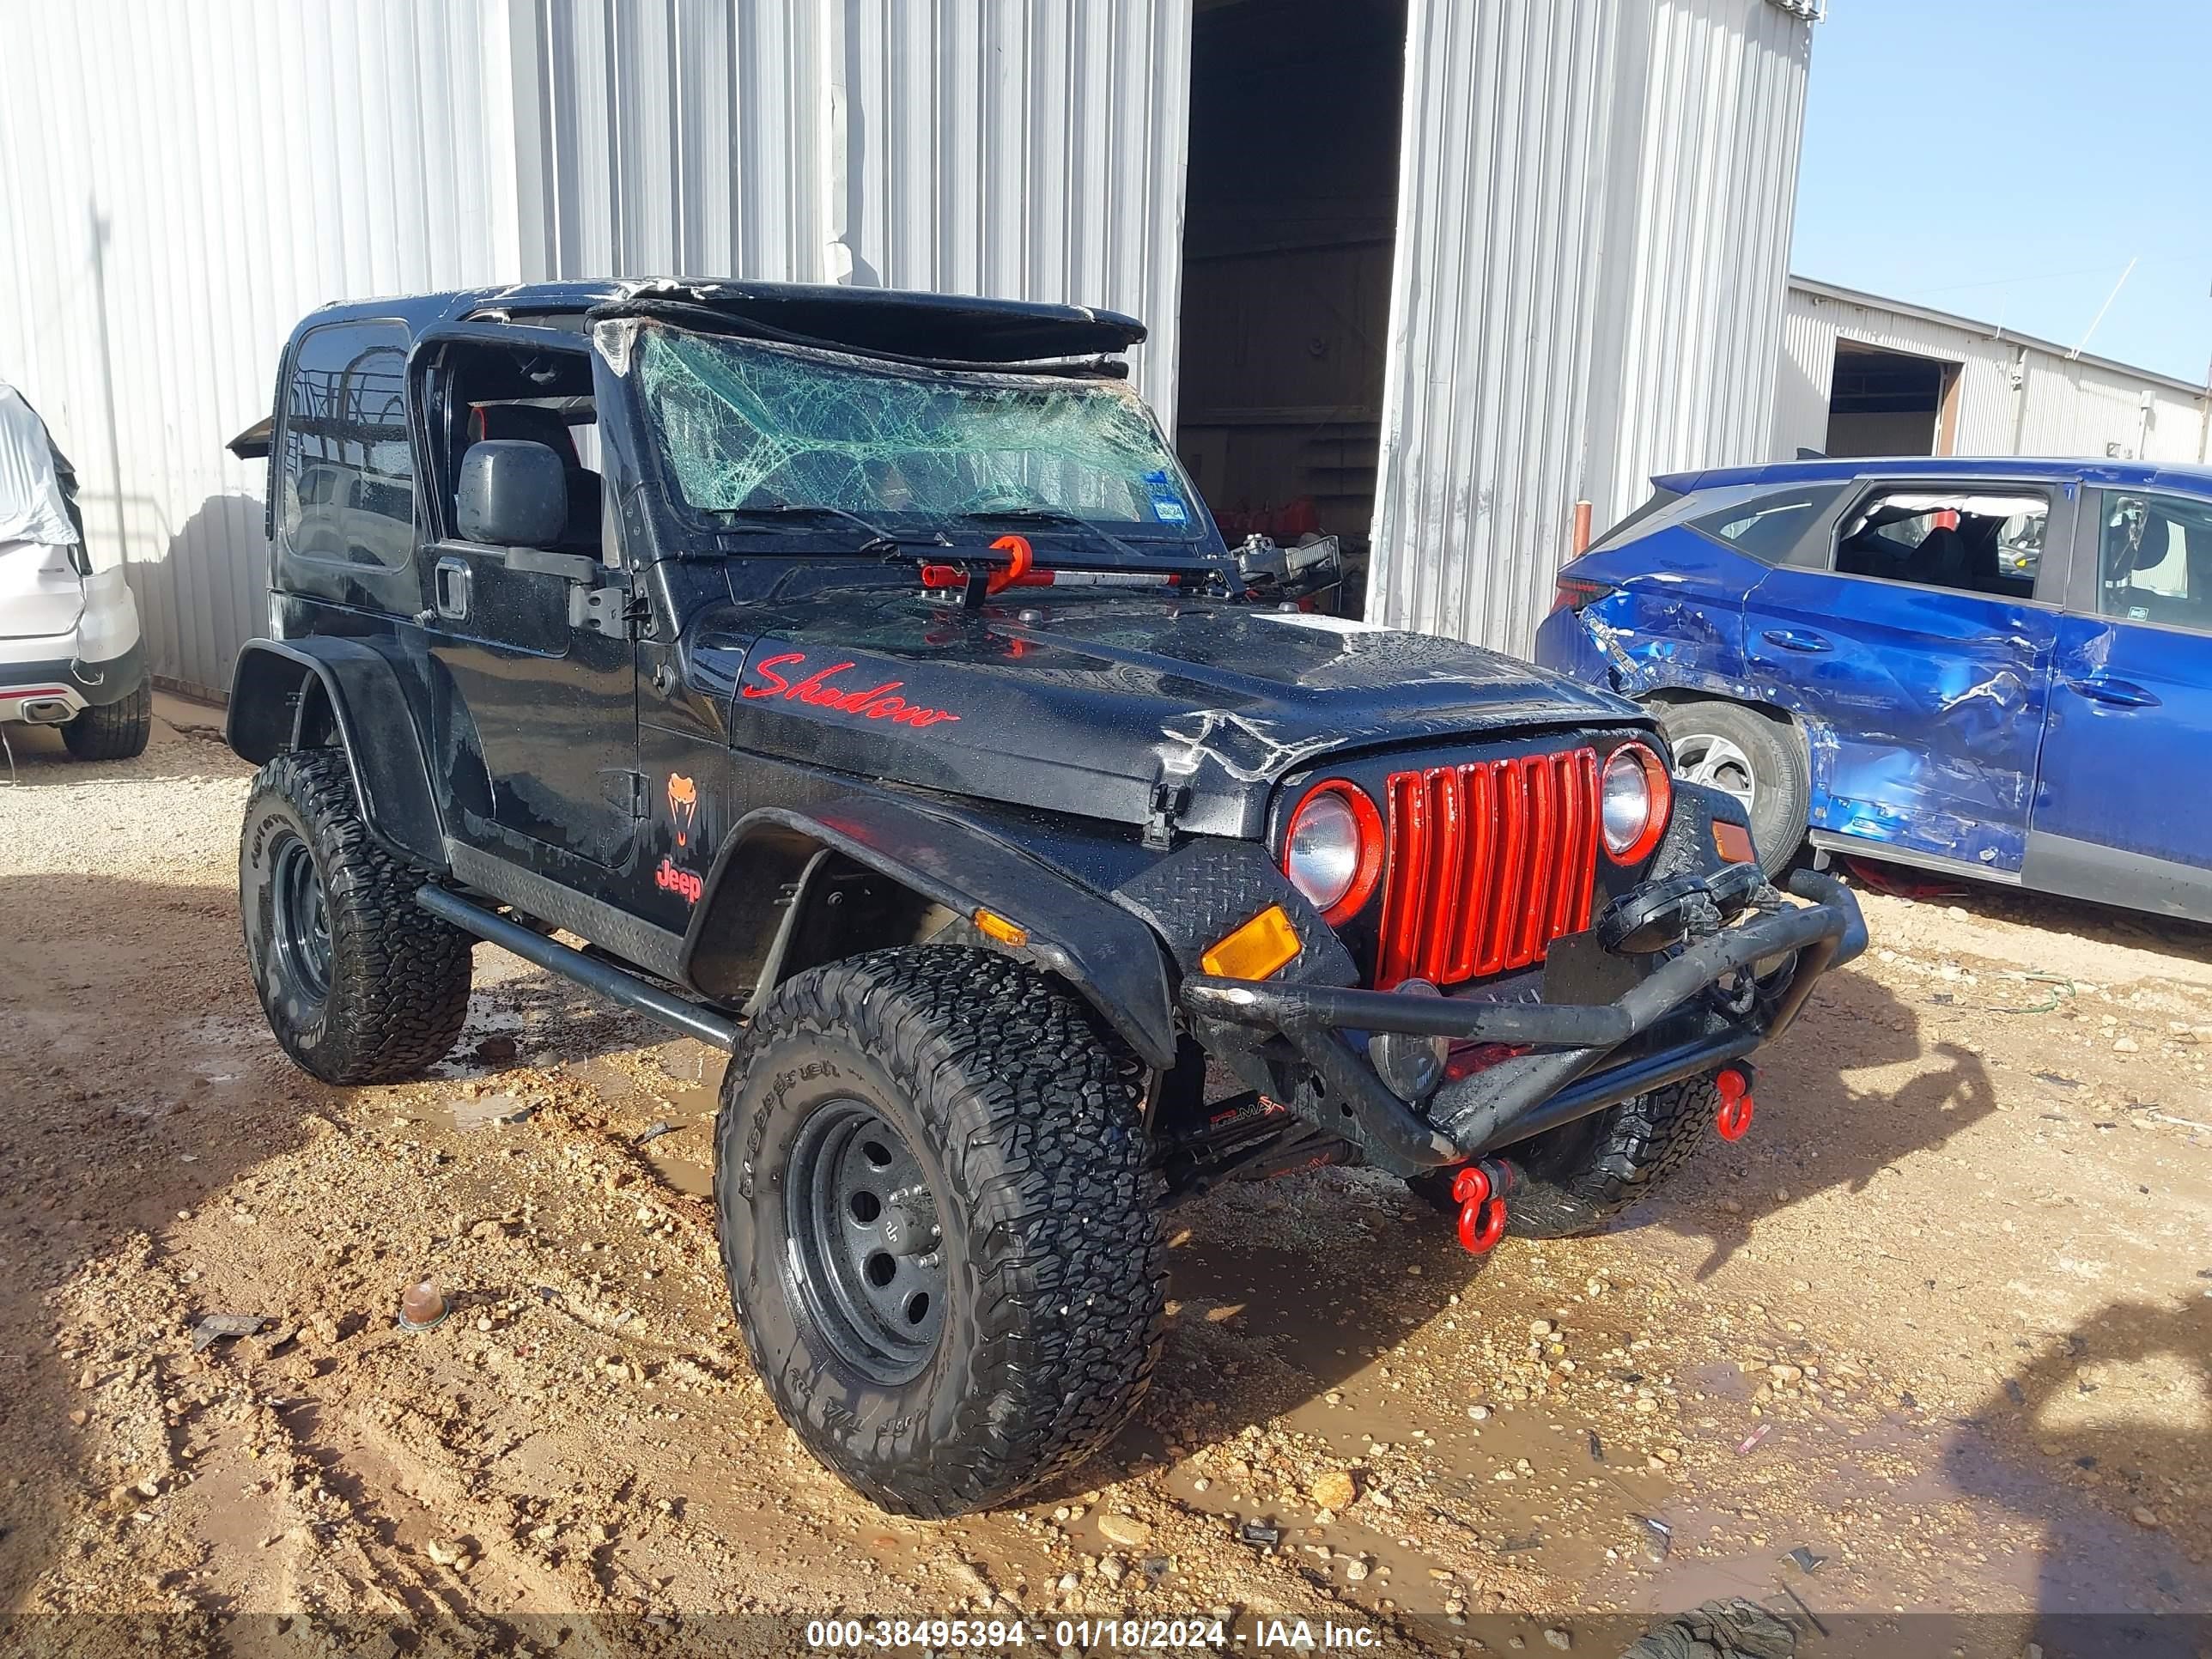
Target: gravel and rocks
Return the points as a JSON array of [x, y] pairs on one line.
[[1952, 1296]]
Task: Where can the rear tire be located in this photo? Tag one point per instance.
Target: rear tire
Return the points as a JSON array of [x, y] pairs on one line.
[[940, 1224], [1578, 1176], [112, 730], [359, 983], [1758, 760]]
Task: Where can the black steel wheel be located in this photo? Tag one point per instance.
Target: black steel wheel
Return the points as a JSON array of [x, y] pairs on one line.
[[361, 984], [938, 1218], [300, 922], [868, 1251]]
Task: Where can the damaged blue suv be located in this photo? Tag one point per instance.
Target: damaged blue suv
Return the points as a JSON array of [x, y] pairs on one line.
[[1999, 668]]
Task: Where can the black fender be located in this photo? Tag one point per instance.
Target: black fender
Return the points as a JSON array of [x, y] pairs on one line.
[[1688, 848], [755, 887], [313, 693]]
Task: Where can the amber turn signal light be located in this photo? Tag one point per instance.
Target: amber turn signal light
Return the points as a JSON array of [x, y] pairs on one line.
[[991, 925], [1257, 949], [1733, 842]]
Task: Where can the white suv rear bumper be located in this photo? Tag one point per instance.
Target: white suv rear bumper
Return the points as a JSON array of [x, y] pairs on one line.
[[51, 677]]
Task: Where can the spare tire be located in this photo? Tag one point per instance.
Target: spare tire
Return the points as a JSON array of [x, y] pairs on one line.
[[1578, 1176]]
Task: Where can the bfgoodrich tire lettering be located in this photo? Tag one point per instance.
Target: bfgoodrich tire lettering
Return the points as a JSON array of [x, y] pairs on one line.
[[389, 987], [1023, 1114]]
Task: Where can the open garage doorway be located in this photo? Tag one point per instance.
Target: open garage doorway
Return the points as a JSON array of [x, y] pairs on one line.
[[1891, 403], [1291, 216]]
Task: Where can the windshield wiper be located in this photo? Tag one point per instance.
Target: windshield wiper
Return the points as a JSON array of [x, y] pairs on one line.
[[880, 540], [1053, 516]]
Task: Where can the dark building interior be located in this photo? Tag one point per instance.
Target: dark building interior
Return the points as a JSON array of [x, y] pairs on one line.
[[1891, 403], [1290, 215]]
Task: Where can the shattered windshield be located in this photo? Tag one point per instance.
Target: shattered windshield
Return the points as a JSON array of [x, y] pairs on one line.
[[751, 427]]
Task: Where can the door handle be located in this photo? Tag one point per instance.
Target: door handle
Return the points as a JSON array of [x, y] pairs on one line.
[[2120, 694], [449, 588], [1790, 639]]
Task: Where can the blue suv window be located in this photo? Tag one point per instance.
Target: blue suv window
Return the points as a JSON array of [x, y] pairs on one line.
[[2155, 560], [1768, 527], [1970, 539]]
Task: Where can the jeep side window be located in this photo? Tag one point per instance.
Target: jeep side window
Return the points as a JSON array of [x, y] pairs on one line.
[[348, 472], [536, 396]]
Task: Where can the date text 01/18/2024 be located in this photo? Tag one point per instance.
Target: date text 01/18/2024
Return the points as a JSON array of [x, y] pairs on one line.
[[1084, 1635]]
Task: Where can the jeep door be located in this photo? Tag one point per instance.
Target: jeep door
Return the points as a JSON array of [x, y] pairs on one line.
[[2130, 716], [1918, 659], [535, 714]]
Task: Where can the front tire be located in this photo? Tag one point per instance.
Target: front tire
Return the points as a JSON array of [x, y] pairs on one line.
[[359, 983], [112, 730], [940, 1224], [1758, 760], [1578, 1176]]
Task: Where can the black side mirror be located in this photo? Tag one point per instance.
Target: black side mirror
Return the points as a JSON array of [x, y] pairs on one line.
[[512, 494]]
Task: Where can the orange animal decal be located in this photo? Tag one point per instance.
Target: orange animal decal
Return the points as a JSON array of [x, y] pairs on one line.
[[683, 806]]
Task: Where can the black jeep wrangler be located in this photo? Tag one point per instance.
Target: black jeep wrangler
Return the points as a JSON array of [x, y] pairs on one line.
[[858, 677]]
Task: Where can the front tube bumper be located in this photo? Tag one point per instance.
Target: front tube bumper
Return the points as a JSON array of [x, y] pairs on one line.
[[1560, 1081]]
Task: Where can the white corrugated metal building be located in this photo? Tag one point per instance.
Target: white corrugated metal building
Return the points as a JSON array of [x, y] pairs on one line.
[[1862, 375], [1429, 271]]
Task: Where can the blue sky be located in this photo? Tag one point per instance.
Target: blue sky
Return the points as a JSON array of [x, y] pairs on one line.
[[2005, 159]]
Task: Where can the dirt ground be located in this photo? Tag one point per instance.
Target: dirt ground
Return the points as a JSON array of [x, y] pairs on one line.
[[1943, 1322]]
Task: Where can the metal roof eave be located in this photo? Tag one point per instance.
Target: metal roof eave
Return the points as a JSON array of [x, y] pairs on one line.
[[1854, 296]]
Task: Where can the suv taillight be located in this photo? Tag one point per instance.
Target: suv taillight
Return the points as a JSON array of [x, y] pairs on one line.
[[1576, 591]]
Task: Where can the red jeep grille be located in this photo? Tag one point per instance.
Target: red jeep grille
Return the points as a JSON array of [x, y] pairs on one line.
[[1488, 863]]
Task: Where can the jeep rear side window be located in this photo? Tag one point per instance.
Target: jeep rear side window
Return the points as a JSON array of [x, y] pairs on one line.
[[747, 426], [347, 489]]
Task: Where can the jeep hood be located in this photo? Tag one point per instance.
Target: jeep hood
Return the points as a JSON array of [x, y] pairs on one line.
[[1085, 706]]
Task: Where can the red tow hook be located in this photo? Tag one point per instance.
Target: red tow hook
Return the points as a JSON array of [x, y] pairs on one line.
[[1733, 1119], [1480, 1190]]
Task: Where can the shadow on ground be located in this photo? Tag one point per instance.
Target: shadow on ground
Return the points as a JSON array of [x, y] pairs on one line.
[[1324, 1308], [2102, 1435]]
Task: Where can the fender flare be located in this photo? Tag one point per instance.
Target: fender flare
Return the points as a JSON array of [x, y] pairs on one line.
[[1110, 957], [299, 694]]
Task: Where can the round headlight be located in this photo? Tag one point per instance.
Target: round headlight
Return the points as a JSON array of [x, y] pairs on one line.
[[1634, 799], [1333, 852]]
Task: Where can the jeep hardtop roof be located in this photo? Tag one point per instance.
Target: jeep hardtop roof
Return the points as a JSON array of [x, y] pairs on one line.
[[895, 321], [948, 329]]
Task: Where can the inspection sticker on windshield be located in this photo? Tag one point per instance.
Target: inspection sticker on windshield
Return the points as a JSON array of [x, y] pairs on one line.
[[1167, 505]]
